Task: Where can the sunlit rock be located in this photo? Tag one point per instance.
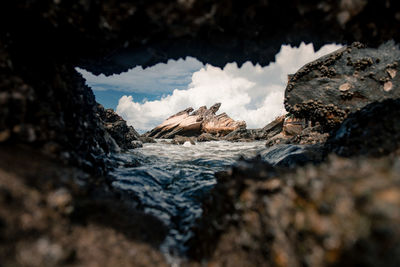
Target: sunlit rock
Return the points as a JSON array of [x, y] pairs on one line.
[[200, 121]]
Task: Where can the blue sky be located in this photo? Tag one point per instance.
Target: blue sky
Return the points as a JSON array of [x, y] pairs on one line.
[[148, 84], [146, 97]]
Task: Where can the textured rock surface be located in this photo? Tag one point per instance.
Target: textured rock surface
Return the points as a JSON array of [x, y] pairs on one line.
[[329, 88], [292, 156], [203, 120], [341, 213], [125, 136], [111, 36], [45, 104], [204, 137], [268, 131], [374, 130], [293, 126], [46, 219]]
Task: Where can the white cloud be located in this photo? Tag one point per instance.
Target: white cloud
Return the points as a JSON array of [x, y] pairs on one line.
[[250, 93], [158, 79]]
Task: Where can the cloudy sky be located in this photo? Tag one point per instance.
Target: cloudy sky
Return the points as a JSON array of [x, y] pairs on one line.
[[146, 97]]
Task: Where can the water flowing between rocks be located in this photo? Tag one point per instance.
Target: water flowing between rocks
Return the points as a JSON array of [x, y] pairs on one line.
[[170, 181]]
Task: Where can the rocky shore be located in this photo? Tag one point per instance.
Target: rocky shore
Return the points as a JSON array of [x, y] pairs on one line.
[[191, 123], [340, 212], [56, 205]]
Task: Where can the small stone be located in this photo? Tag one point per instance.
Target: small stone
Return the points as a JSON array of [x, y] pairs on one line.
[[388, 86], [392, 73], [345, 87]]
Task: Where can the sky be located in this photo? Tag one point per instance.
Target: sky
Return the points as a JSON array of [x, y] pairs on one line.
[[146, 97]]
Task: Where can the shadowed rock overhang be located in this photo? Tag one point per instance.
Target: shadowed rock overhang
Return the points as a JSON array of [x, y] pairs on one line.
[[112, 36]]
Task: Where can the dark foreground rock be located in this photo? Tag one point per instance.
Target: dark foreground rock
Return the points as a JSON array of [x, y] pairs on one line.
[[125, 136], [333, 86], [47, 218], [372, 131], [341, 213], [189, 123]]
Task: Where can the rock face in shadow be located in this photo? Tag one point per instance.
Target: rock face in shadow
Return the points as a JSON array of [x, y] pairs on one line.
[[373, 131], [203, 120], [46, 219], [335, 85], [341, 213], [125, 136], [241, 135]]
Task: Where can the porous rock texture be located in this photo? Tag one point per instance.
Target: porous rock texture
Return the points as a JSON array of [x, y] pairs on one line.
[[203, 120], [46, 219], [329, 88], [341, 213], [45, 105]]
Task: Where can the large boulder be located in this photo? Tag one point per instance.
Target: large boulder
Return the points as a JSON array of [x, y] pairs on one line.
[[328, 89], [203, 120]]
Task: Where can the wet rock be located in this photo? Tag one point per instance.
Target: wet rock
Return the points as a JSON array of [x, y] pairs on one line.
[[200, 121], [291, 156], [125, 136], [362, 76]]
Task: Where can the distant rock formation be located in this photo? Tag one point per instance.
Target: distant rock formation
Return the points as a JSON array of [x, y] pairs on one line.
[[125, 136], [203, 120]]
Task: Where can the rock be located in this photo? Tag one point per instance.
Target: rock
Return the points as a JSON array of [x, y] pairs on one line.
[[340, 213], [374, 130], [48, 219], [200, 121], [290, 156], [293, 126], [243, 135], [273, 128], [146, 139], [328, 89], [310, 135], [125, 136], [205, 137], [180, 140], [293, 132]]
